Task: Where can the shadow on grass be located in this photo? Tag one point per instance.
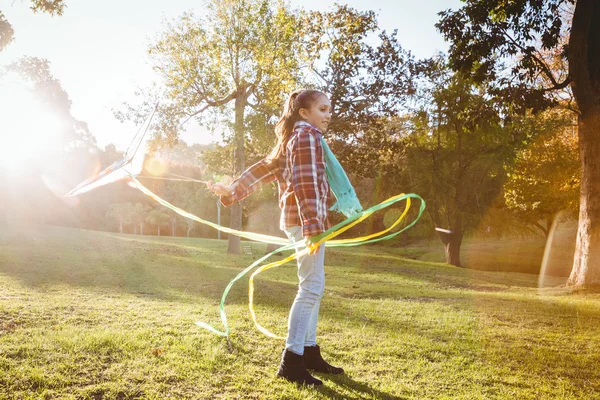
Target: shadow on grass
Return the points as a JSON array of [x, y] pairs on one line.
[[358, 389], [85, 259]]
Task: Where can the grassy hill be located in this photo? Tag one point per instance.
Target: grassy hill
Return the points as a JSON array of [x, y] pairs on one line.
[[97, 315], [516, 254]]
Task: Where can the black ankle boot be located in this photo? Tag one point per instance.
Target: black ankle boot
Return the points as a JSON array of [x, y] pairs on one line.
[[314, 361], [292, 368]]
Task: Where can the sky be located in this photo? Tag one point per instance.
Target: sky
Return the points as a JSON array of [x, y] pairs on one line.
[[97, 49]]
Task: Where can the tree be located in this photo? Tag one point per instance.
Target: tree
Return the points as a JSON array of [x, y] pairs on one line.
[[55, 149], [138, 216], [458, 147], [6, 32], [52, 7], [49, 93], [544, 179], [158, 218], [121, 212], [241, 53], [368, 84], [486, 33]]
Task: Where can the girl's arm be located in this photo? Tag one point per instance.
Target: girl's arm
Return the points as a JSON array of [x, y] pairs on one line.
[[252, 179]]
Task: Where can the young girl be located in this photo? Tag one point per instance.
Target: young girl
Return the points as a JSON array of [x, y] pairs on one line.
[[297, 163]]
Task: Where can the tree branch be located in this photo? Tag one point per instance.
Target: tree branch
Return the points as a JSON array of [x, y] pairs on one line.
[[543, 66], [215, 103]]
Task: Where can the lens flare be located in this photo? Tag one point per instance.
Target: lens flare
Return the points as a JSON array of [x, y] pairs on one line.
[[28, 128]]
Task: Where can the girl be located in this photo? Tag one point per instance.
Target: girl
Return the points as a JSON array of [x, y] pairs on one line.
[[297, 163]]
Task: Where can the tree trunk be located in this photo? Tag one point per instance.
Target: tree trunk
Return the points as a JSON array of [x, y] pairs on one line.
[[545, 229], [173, 219], [141, 228], [238, 168], [158, 231], [272, 247], [586, 263], [584, 71], [452, 242], [121, 225]]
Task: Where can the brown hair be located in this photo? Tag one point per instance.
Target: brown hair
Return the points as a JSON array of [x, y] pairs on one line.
[[303, 98]]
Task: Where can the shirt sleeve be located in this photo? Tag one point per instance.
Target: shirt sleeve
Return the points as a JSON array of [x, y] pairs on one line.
[[304, 152], [252, 179]]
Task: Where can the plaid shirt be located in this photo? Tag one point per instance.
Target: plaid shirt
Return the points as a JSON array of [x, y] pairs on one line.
[[303, 187]]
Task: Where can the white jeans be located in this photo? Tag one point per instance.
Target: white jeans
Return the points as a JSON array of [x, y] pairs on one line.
[[302, 324]]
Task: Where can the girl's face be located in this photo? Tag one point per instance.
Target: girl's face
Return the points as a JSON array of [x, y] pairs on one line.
[[319, 114]]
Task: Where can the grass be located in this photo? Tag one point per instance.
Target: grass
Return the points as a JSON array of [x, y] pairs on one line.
[[91, 315], [517, 254]]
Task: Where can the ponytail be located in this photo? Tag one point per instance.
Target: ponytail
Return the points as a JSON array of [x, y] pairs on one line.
[[303, 98]]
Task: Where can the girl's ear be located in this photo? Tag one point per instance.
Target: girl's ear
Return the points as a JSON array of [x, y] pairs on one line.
[[303, 113]]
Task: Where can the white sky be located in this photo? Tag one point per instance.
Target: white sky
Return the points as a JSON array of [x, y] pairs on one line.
[[97, 49]]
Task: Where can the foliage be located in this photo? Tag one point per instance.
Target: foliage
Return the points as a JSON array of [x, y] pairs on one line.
[[485, 34], [158, 218], [52, 7], [545, 177], [138, 216], [367, 84], [48, 91], [457, 149], [121, 212], [245, 50], [6, 32], [69, 153]]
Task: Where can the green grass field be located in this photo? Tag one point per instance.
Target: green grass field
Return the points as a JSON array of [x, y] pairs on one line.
[[516, 254], [92, 315]]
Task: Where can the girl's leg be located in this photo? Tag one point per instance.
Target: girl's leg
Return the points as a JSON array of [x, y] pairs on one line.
[[304, 311], [311, 332]]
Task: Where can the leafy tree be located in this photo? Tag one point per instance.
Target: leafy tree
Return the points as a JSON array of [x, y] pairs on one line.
[[368, 84], [48, 91], [6, 32], [138, 216], [52, 7], [456, 151], [486, 34], [544, 179], [171, 166], [121, 212], [158, 218], [202, 203], [240, 56], [68, 153]]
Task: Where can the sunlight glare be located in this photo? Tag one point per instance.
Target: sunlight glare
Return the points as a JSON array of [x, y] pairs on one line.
[[27, 128]]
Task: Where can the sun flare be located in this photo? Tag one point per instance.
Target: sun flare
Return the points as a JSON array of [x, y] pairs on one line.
[[26, 127]]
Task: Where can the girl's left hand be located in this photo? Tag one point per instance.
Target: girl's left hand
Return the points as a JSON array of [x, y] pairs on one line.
[[218, 188], [314, 250]]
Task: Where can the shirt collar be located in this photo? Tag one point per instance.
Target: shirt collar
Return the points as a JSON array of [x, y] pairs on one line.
[[303, 122]]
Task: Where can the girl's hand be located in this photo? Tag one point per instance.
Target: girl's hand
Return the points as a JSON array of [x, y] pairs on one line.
[[311, 250], [218, 188]]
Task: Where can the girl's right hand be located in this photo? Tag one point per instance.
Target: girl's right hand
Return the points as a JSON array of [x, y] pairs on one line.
[[218, 188]]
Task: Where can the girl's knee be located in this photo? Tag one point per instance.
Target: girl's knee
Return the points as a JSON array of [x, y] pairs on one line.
[[311, 292]]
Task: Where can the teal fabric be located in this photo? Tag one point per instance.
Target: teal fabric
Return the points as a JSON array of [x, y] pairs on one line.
[[347, 202]]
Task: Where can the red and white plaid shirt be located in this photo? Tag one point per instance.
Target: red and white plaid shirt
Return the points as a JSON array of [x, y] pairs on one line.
[[303, 187]]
